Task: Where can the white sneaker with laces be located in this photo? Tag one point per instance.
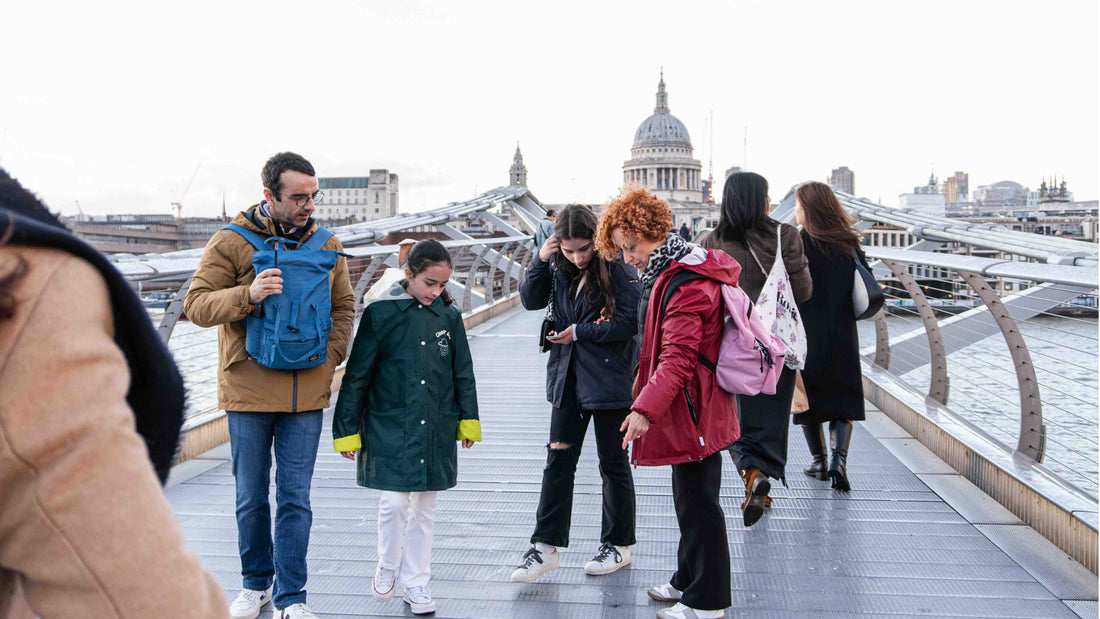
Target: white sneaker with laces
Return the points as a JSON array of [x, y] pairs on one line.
[[679, 611], [609, 558], [383, 584], [419, 599], [535, 564], [296, 611], [248, 603]]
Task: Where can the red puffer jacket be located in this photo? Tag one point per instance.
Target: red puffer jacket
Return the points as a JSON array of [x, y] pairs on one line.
[[690, 416]]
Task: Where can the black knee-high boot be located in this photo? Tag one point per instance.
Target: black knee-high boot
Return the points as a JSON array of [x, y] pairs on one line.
[[815, 440], [840, 436]]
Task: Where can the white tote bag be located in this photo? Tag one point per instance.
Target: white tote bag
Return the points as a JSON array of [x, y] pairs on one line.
[[778, 310]]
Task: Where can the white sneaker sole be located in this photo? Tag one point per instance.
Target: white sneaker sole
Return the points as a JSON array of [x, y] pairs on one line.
[[521, 576], [608, 569], [420, 609]]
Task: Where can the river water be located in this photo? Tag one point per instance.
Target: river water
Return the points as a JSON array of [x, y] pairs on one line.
[[983, 384]]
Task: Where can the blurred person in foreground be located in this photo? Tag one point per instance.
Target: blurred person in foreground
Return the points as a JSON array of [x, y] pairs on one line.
[[90, 412]]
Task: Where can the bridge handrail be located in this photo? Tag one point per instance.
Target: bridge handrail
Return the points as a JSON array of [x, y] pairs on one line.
[[1037, 272]]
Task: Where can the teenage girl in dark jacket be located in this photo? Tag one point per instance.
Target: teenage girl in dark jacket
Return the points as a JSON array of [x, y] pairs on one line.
[[588, 376]]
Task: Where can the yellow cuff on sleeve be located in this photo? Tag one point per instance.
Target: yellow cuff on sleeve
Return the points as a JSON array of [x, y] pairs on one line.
[[348, 443], [469, 430]]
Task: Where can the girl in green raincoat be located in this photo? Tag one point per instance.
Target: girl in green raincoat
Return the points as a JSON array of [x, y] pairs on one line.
[[407, 397]]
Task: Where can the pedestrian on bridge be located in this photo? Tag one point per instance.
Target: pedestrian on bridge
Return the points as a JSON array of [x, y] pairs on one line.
[[266, 405], [407, 396], [545, 228], [833, 379], [91, 406], [593, 347], [748, 234], [680, 416]]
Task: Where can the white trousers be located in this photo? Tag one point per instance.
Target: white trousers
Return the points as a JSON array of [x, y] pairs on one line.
[[405, 525]]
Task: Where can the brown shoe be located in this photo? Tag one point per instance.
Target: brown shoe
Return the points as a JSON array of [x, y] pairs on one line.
[[757, 487]]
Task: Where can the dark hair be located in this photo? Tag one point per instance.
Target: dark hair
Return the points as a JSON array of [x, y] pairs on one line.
[[744, 207], [825, 220], [14, 198], [550, 213], [272, 174], [577, 221], [424, 254]]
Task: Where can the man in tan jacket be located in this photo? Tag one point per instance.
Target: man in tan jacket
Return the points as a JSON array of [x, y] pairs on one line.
[[265, 406]]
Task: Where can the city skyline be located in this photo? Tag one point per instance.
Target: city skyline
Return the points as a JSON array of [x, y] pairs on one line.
[[118, 116]]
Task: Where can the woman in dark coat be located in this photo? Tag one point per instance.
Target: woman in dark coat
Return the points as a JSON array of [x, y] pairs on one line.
[[746, 233], [588, 377], [834, 382]]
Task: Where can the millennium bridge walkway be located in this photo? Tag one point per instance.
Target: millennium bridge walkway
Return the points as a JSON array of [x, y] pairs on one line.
[[913, 538], [975, 474]]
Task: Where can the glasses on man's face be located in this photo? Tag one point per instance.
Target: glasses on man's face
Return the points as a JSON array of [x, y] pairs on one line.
[[301, 199]]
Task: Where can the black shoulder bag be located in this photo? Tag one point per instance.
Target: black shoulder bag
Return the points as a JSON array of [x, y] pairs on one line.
[[548, 322], [867, 297]]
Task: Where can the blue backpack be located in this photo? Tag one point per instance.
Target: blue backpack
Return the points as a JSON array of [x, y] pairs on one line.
[[291, 329]]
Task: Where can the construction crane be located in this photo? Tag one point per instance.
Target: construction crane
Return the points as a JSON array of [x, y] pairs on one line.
[[79, 210], [178, 204]]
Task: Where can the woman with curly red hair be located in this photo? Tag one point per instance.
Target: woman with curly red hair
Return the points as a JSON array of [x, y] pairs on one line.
[[679, 416]]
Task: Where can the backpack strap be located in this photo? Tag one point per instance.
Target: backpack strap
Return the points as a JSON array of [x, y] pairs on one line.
[[318, 240], [678, 279], [254, 239]]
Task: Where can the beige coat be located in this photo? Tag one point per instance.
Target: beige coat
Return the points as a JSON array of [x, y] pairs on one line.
[[85, 530], [218, 296]]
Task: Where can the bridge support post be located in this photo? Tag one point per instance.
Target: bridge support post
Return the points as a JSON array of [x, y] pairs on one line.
[[468, 295], [882, 341], [1033, 435], [940, 383]]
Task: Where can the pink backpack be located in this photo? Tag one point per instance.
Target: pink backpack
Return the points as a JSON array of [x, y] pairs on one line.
[[750, 358]]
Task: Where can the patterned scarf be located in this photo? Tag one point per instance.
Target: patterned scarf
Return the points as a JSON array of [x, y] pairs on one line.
[[675, 247]]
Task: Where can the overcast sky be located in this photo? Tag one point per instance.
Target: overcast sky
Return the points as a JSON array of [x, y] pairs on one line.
[[114, 104]]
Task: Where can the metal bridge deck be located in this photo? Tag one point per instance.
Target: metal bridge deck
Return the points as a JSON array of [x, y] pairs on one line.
[[914, 539]]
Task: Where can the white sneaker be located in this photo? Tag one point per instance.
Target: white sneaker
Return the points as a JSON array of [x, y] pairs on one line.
[[609, 558], [248, 603], [419, 599], [296, 611], [679, 611], [535, 565], [664, 593], [383, 584]]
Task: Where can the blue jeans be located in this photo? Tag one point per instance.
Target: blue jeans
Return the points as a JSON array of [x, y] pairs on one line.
[[296, 437]]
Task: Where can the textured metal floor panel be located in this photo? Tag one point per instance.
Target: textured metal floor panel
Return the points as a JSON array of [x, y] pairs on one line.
[[892, 548], [1084, 609]]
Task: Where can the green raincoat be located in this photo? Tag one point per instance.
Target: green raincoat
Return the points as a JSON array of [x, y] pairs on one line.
[[408, 395]]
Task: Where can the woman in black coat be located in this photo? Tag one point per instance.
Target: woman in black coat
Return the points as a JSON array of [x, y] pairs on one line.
[[832, 376], [588, 377]]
